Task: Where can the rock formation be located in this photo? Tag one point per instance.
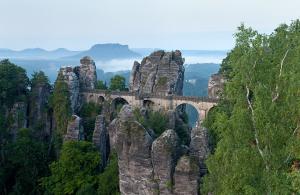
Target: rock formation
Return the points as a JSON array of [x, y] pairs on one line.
[[67, 75], [87, 74], [160, 73], [81, 77], [133, 146], [186, 177], [74, 130], [165, 151], [18, 115], [101, 139], [215, 85], [148, 165], [199, 148], [39, 116]]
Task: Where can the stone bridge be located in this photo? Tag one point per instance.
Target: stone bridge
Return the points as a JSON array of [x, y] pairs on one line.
[[157, 102]]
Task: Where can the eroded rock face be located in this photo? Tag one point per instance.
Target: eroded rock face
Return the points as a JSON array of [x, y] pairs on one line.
[[74, 130], [133, 146], [215, 85], [101, 139], [186, 176], [87, 73], [78, 79], [39, 117], [18, 115], [67, 75], [165, 151], [156, 166], [199, 148], [112, 129], [161, 73]]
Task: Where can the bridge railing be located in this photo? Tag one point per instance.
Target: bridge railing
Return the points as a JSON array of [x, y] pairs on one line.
[[160, 96]]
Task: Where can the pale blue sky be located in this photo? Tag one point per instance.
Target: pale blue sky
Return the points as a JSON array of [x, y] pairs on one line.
[[169, 24]]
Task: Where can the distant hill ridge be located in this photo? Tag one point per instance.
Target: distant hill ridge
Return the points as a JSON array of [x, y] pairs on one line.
[[97, 52]]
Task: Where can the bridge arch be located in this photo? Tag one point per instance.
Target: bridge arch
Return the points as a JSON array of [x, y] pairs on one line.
[[100, 99], [202, 107], [148, 103], [189, 110], [116, 104]]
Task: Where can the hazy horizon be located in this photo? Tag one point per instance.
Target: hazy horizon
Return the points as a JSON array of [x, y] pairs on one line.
[[168, 24]]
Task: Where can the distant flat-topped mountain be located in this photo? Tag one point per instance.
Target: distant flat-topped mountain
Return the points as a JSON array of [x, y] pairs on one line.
[[107, 52]]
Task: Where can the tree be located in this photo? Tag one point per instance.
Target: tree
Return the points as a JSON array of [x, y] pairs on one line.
[[75, 170], [13, 83], [155, 120], [258, 135], [109, 180], [26, 162], [61, 105], [89, 112], [101, 85], [117, 83], [39, 78]]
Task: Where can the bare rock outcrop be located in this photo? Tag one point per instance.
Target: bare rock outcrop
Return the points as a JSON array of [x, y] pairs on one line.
[[133, 146], [160, 73], [74, 130], [112, 129], [215, 85], [186, 176], [101, 139], [67, 75], [87, 73], [165, 151], [18, 116], [199, 148], [79, 78], [39, 115]]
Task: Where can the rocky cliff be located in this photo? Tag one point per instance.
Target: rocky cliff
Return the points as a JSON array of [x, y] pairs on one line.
[[87, 73], [160, 73], [18, 118], [75, 129], [215, 85], [101, 139], [40, 117], [149, 165], [79, 78]]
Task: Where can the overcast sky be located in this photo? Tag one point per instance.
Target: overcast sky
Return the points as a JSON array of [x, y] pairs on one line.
[[168, 24]]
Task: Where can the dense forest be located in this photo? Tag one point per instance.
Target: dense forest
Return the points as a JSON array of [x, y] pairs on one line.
[[34, 161], [255, 126]]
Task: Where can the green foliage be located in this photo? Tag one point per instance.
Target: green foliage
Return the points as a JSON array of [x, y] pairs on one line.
[[25, 162], [109, 180], [39, 78], [61, 109], [75, 170], [39, 81], [258, 134], [182, 132], [210, 122], [162, 81], [88, 112], [13, 83], [155, 120], [117, 83], [101, 85]]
